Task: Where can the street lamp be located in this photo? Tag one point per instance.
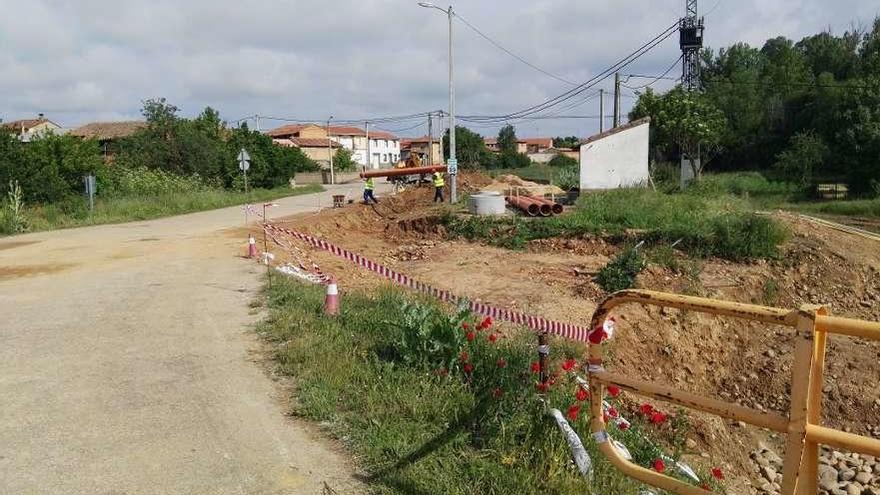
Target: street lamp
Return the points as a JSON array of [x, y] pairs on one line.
[[453, 162]]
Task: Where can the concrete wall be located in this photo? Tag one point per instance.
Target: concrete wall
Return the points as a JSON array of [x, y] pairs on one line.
[[313, 132], [617, 158], [303, 178]]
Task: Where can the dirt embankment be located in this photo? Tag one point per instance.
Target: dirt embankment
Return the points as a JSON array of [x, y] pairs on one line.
[[747, 363]]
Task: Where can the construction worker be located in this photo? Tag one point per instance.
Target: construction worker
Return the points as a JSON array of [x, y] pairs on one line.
[[369, 185], [438, 186]]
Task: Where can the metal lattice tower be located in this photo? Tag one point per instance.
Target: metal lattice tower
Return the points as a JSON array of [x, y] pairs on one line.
[[691, 41]]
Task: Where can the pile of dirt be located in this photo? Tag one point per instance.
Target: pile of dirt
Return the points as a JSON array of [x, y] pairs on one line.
[[511, 185]]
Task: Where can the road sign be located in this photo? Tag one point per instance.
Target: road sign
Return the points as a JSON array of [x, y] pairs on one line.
[[452, 166], [244, 160]]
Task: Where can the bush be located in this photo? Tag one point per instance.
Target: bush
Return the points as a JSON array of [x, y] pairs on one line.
[[568, 178], [621, 272], [342, 161], [141, 182], [563, 161], [507, 159], [13, 220], [807, 152]]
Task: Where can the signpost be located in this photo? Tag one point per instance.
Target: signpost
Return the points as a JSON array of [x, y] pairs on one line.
[[244, 163], [91, 189]]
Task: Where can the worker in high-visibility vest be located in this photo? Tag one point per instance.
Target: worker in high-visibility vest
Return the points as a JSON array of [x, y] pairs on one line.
[[369, 185], [438, 186]]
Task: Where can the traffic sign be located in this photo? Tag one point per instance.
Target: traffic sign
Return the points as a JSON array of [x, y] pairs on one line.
[[452, 166], [244, 160]]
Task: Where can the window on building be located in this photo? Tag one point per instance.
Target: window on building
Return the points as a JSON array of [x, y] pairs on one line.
[[384, 157]]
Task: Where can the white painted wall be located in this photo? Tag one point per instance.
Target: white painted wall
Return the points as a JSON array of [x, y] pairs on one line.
[[386, 152], [617, 160]]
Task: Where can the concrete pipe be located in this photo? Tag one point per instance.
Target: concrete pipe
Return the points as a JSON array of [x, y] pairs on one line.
[[530, 207]]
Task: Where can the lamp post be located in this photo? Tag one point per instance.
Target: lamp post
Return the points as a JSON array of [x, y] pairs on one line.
[[453, 162]]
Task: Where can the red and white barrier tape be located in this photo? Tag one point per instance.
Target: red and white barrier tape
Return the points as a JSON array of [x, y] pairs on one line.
[[537, 323], [300, 256]]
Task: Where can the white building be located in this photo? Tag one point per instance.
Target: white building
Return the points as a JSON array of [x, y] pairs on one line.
[[616, 158], [384, 146]]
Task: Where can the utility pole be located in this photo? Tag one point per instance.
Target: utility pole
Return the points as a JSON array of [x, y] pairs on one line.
[[430, 139], [453, 186], [690, 29], [617, 99], [330, 151], [257, 123], [367, 131], [601, 111]]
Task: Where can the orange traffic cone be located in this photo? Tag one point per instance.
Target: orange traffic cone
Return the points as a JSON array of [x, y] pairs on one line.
[[331, 299]]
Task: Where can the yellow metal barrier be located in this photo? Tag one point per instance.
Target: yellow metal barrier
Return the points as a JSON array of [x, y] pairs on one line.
[[802, 425]]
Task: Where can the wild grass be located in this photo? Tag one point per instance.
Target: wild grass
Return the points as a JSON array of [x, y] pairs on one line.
[[74, 212], [388, 378], [701, 226]]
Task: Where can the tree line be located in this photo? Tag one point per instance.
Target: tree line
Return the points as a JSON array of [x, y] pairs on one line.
[[808, 110], [51, 167]]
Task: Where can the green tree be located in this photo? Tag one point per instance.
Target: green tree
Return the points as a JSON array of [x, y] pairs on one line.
[[342, 160], [693, 123], [507, 139], [271, 165], [566, 142], [470, 149], [806, 154], [562, 161]]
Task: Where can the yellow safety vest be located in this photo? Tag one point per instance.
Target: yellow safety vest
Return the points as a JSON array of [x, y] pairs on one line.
[[368, 185], [438, 180]]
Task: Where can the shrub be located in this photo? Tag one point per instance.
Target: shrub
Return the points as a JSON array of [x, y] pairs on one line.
[[13, 221], [806, 154], [621, 272], [563, 161], [568, 178], [141, 181]]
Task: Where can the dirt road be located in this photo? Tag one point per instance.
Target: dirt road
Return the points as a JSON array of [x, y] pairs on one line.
[[127, 365]]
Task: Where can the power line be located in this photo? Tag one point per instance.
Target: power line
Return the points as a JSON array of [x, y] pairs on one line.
[[662, 76], [514, 55], [559, 99]]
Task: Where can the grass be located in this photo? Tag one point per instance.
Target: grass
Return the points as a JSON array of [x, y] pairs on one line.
[[387, 377], [702, 226], [855, 208], [75, 212]]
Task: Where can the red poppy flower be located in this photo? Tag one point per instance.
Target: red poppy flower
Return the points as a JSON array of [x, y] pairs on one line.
[[501, 363], [705, 486], [717, 473], [622, 425], [463, 357], [659, 465], [646, 409], [498, 393], [582, 394], [658, 418], [553, 378], [569, 364], [468, 368], [492, 337], [541, 387], [613, 412], [536, 367], [465, 325], [613, 390], [486, 323], [471, 336], [597, 336], [573, 411], [606, 418]]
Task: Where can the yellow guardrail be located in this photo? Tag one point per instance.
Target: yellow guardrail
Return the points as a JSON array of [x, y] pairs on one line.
[[802, 425]]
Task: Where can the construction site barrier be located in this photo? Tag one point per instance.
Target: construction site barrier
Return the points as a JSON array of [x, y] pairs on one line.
[[802, 425]]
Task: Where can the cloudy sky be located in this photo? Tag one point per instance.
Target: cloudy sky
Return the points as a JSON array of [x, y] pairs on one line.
[[91, 60]]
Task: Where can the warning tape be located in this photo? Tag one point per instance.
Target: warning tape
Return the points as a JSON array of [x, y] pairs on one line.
[[298, 253], [537, 323]]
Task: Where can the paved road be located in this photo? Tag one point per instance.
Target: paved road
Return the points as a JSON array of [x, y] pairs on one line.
[[127, 365]]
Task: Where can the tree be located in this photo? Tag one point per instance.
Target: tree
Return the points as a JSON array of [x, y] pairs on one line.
[[562, 161], [342, 160], [693, 123], [470, 149], [507, 139], [566, 142], [806, 154]]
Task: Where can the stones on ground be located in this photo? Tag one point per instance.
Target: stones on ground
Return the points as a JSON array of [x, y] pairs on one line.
[[839, 473]]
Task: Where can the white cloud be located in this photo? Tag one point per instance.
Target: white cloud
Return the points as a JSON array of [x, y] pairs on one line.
[[80, 61]]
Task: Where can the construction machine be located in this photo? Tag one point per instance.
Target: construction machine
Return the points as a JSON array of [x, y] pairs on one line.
[[412, 161]]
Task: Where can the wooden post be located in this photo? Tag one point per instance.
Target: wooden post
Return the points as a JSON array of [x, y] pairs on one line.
[[809, 482], [543, 352]]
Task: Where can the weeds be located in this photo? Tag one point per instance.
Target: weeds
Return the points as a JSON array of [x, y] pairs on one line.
[[621, 272], [770, 292], [13, 211], [434, 402]]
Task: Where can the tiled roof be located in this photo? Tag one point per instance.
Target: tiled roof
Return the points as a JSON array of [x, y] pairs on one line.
[[335, 130], [108, 130], [17, 125], [314, 143]]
